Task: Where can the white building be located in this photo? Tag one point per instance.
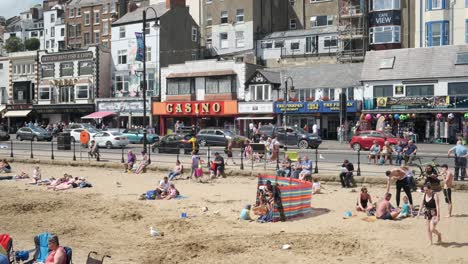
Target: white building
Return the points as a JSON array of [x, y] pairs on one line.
[[441, 22], [30, 24], [4, 81], [54, 27]]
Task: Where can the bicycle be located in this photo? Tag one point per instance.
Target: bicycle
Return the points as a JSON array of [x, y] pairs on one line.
[[422, 167]]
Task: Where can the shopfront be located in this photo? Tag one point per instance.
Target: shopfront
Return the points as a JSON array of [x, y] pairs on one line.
[[258, 113], [323, 113], [130, 111], [202, 114]]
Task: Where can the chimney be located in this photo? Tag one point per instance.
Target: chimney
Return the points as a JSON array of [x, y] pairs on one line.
[[132, 7], [170, 4]]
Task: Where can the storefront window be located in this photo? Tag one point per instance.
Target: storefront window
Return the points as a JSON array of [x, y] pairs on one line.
[[224, 84], [378, 5], [82, 92], [45, 93], [386, 34], [419, 90], [458, 88], [66, 69], [47, 70], [67, 94], [383, 90], [260, 92], [179, 86]]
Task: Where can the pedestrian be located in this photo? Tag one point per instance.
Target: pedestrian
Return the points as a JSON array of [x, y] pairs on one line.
[[346, 174], [176, 126], [448, 182], [460, 160], [399, 153], [228, 151], [275, 146], [410, 152], [131, 158], [402, 182], [430, 203]]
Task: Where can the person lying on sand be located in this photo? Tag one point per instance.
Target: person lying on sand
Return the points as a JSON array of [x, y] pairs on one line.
[[384, 209]]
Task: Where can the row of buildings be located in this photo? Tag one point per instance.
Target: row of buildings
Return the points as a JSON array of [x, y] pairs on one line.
[[226, 63]]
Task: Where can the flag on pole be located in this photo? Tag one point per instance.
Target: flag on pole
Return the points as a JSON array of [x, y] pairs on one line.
[[140, 48]]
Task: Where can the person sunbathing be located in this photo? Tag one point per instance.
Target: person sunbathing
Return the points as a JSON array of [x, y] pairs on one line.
[[176, 171]]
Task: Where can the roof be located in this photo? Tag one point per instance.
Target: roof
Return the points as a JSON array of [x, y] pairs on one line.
[[88, 2], [137, 15], [303, 32], [201, 74], [415, 63], [323, 75], [271, 76]]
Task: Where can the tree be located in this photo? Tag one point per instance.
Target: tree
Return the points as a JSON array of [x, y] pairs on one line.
[[14, 44], [32, 44]]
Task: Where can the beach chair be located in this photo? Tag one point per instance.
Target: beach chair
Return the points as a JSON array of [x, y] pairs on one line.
[[7, 243], [41, 242], [293, 155], [93, 258], [69, 253]]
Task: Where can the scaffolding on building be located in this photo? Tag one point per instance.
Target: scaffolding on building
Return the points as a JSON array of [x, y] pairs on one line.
[[352, 30]]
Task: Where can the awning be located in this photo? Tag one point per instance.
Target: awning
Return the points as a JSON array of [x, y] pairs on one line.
[[99, 115], [201, 74], [255, 118], [17, 113]]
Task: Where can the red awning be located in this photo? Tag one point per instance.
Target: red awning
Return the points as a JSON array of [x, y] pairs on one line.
[[99, 115]]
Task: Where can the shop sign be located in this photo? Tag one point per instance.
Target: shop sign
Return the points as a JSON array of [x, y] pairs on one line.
[[124, 108], [438, 101], [384, 18], [191, 108], [313, 107], [334, 106], [67, 57], [257, 107]]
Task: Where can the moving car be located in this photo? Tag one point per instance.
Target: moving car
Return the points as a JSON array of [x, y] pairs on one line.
[[173, 144], [110, 139], [363, 140], [33, 133], [290, 136], [135, 136], [75, 133], [217, 137]]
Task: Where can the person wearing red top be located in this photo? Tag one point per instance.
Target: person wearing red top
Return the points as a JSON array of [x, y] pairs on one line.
[[57, 254]]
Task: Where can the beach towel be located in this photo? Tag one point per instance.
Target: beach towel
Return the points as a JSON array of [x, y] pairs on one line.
[[42, 247], [181, 197]]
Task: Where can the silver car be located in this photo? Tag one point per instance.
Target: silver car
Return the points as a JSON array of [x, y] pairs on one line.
[[33, 133], [110, 139]]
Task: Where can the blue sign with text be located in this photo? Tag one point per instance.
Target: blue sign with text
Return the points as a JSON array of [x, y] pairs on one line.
[[313, 107]]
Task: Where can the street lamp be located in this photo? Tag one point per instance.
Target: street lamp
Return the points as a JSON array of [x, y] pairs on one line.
[[291, 93], [144, 72]]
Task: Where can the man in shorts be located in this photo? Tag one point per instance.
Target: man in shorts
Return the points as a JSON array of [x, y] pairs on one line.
[[384, 207], [448, 182], [219, 165]]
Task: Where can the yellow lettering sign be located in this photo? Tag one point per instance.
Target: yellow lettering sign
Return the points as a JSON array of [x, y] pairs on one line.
[[178, 108], [216, 107], [169, 108], [205, 108], [188, 108]]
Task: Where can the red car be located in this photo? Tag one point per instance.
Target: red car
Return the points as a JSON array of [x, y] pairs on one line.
[[363, 140]]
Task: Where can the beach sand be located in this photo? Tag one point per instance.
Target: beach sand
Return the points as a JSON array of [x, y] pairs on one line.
[[110, 220]]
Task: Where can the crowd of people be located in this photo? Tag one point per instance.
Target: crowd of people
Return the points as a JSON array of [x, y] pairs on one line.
[[399, 153]]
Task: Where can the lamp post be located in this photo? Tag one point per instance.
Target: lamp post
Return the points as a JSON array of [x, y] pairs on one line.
[[291, 93], [145, 131]]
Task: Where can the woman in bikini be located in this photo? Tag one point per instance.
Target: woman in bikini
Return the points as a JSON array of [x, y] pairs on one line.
[[364, 201], [430, 202]]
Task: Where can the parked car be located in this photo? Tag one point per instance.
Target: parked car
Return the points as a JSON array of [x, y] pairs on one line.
[[135, 136], [218, 137], [33, 133], [363, 140], [110, 139], [75, 133], [292, 136], [4, 135], [173, 144]]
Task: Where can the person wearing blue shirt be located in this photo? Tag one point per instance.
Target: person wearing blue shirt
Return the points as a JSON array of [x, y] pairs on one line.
[[460, 160], [410, 152], [399, 152], [306, 172]]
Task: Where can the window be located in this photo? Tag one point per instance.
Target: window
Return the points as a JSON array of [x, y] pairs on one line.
[[437, 33], [23, 68], [66, 69], [209, 39], [52, 18], [78, 30], [466, 29], [112, 7], [458, 88], [224, 17], [209, 20], [378, 5], [122, 56], [62, 32], [180, 86], [420, 90], [78, 12], [260, 92], [105, 28], [330, 42], [96, 38], [194, 34], [279, 44], [82, 92], [320, 21], [148, 54], [436, 4], [122, 32], [86, 19], [292, 24], [385, 34], [267, 44], [72, 12], [221, 84], [328, 92], [97, 18], [304, 94], [240, 15], [52, 32], [240, 39], [45, 93], [349, 93], [224, 42], [85, 68], [383, 90], [67, 94], [52, 43], [105, 8], [47, 44], [121, 83], [86, 38], [387, 63], [295, 45]]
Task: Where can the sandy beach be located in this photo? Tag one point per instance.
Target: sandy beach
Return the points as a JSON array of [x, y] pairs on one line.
[[111, 220]]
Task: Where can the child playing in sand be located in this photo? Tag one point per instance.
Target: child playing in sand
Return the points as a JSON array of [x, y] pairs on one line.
[[36, 175], [316, 186], [245, 213], [405, 208]]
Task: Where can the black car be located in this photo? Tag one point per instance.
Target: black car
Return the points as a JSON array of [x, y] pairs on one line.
[[217, 137], [292, 136], [173, 144]]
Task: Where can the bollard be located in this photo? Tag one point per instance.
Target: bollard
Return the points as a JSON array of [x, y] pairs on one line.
[[358, 172], [11, 149], [123, 160], [242, 158], [316, 160], [32, 155], [74, 149], [52, 148], [149, 155], [208, 163]]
